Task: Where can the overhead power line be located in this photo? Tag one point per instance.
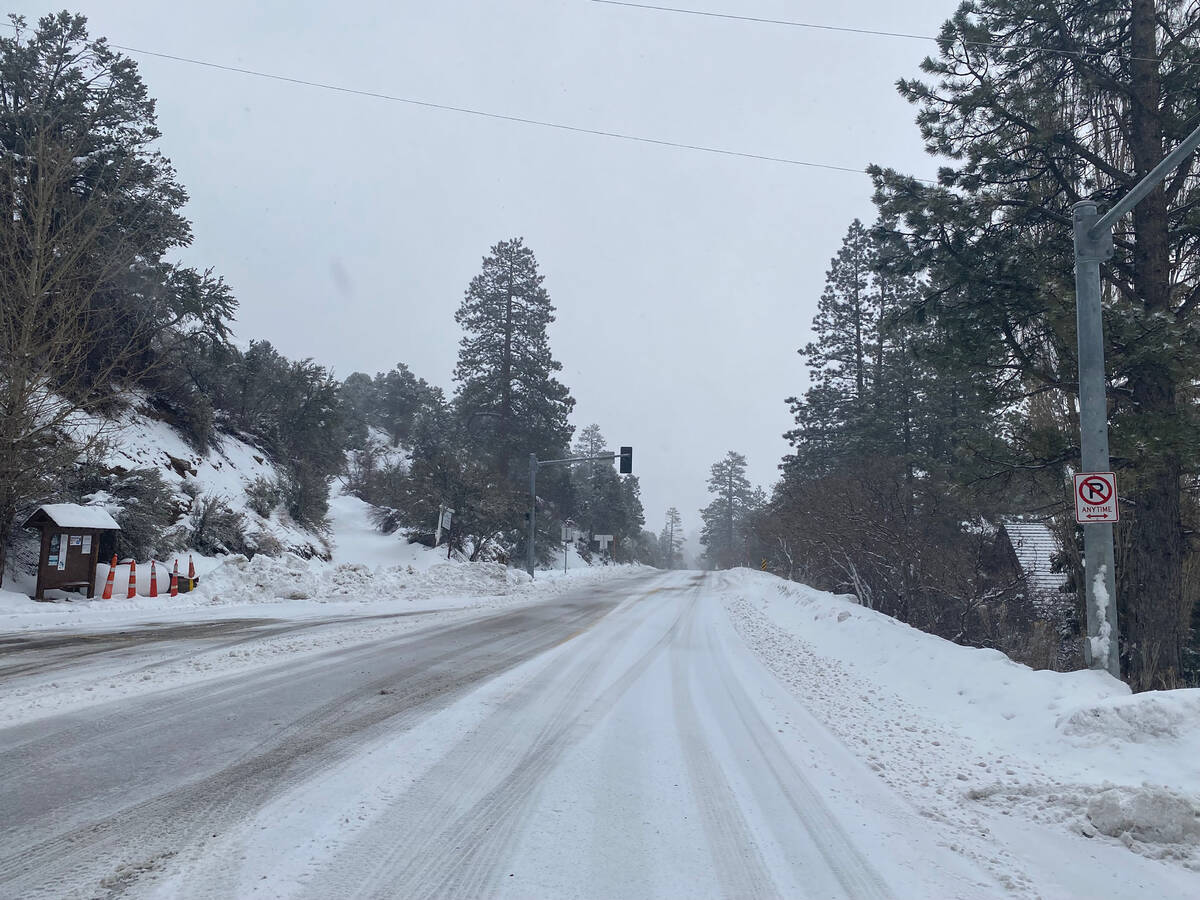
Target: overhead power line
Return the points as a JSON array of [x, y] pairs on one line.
[[763, 21], [790, 23], [486, 114]]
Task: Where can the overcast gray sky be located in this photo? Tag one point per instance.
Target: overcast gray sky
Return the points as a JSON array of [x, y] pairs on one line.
[[350, 226]]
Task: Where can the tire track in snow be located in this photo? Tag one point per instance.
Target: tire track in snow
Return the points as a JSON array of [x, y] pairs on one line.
[[845, 861], [740, 868], [65, 864], [463, 816]]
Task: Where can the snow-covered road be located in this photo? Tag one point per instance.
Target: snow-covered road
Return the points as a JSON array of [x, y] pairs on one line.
[[617, 740]]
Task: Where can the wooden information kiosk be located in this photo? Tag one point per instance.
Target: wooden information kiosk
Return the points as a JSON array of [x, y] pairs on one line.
[[70, 546]]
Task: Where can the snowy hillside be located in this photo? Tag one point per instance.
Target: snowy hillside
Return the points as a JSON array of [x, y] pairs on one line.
[[226, 471], [352, 562]]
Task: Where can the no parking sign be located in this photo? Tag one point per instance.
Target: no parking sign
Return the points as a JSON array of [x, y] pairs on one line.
[[1096, 498]]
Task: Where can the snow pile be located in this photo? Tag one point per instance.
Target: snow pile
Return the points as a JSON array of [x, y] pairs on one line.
[[12, 601], [238, 580], [966, 734], [1149, 814], [1140, 718]]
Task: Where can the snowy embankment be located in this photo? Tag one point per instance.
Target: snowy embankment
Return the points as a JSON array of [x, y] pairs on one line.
[[370, 573], [976, 740], [378, 586]]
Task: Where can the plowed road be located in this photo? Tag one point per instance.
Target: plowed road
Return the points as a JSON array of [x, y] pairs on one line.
[[616, 742]]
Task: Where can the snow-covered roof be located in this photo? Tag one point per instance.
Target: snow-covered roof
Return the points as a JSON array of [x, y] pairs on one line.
[[1035, 546], [73, 515]]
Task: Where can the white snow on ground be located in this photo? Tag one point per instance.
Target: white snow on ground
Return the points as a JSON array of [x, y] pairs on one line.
[[355, 540], [372, 575], [990, 746], [368, 568], [649, 756], [340, 596]]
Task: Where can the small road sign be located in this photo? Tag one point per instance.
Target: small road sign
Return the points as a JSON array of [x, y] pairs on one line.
[[603, 540], [1096, 498]]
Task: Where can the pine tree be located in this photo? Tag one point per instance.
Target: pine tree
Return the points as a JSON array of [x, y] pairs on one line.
[[507, 392], [839, 359], [1108, 92], [590, 442], [723, 516], [671, 540], [870, 394]]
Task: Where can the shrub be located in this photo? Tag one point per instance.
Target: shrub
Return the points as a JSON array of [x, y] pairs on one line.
[[265, 543], [147, 512], [263, 495], [306, 496], [140, 501], [216, 529]]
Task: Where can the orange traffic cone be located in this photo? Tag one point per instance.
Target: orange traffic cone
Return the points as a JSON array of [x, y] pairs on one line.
[[108, 585], [153, 580], [132, 580], [174, 584], [191, 573]]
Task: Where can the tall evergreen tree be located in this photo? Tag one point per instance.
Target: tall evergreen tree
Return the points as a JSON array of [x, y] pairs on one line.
[[849, 315], [597, 492], [671, 540], [507, 391], [733, 499], [590, 442], [1106, 90]]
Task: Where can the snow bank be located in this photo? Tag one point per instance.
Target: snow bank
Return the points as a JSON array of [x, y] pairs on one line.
[[961, 730], [1138, 719], [238, 580], [1154, 815]]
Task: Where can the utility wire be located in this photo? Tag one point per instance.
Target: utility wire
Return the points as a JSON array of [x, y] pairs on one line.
[[789, 23], [481, 113], [762, 21], [466, 110]]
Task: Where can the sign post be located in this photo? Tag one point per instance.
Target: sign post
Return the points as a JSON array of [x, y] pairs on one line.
[[445, 517], [569, 533], [1094, 245]]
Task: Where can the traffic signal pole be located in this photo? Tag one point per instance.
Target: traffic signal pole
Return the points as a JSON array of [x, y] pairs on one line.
[[625, 457], [1094, 245]]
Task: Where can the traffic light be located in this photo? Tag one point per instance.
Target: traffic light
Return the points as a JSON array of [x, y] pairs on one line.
[[626, 460]]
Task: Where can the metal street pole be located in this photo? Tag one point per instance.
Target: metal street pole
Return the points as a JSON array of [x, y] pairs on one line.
[[1093, 434], [533, 469], [1094, 245]]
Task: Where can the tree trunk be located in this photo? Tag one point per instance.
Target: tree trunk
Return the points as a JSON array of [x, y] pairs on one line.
[[6, 527], [1152, 587]]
